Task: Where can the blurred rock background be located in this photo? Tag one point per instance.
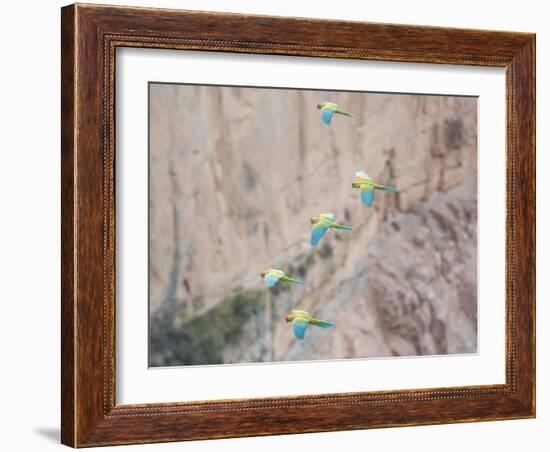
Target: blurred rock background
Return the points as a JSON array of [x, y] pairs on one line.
[[235, 175]]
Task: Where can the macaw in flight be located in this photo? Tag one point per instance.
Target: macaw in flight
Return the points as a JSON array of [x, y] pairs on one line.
[[301, 319], [367, 187], [272, 276], [328, 109], [322, 224]]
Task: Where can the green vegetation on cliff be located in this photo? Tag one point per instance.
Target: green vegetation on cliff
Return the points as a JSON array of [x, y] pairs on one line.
[[202, 339]]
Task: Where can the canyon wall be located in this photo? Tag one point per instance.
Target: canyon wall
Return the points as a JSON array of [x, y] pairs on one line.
[[235, 176]]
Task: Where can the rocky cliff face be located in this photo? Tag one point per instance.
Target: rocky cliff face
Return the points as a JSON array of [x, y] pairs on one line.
[[235, 175]]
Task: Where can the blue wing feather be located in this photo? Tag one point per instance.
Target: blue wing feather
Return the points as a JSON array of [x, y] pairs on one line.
[[367, 196], [271, 280], [317, 233], [327, 115], [299, 327]]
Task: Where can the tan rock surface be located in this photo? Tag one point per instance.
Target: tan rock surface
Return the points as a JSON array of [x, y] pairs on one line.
[[235, 175]]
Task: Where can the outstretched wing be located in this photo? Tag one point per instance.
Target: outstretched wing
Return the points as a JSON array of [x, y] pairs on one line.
[[361, 175], [271, 280], [327, 113], [317, 232], [328, 216], [299, 327], [367, 195]]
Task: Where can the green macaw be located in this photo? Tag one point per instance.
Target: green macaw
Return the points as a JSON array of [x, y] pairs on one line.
[[328, 109], [301, 319], [323, 223], [272, 276], [367, 187]]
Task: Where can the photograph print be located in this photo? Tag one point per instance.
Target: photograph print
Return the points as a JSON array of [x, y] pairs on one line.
[[299, 225]]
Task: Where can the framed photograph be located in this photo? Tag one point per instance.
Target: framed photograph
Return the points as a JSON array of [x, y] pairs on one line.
[[284, 225]]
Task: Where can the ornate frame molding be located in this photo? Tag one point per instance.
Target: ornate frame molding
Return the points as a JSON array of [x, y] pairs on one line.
[[90, 37]]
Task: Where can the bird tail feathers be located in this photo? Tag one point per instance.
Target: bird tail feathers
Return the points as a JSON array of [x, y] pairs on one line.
[[324, 324], [345, 113]]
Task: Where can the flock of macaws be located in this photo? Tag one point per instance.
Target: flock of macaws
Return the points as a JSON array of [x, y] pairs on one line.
[[324, 222]]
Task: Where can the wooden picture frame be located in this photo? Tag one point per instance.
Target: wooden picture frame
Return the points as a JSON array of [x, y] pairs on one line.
[[90, 35]]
